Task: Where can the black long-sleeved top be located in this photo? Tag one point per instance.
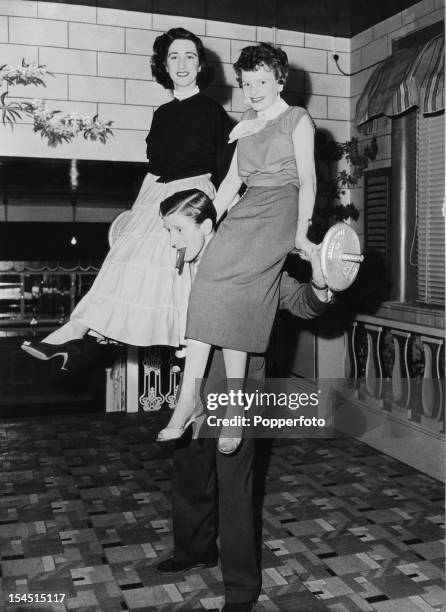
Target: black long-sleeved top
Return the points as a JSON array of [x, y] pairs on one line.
[[188, 138]]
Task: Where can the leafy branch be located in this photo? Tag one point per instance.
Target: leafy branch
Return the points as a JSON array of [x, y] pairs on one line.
[[330, 187], [53, 125]]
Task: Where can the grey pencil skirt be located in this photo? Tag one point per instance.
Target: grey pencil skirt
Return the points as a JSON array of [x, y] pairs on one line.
[[235, 294]]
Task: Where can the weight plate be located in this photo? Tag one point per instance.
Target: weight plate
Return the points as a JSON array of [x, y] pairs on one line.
[[340, 239], [117, 226]]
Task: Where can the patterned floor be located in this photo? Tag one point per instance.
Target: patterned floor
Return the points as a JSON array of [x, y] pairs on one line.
[[84, 511]]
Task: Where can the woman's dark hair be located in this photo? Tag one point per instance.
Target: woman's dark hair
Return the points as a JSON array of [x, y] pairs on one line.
[[192, 203], [159, 58], [263, 54]]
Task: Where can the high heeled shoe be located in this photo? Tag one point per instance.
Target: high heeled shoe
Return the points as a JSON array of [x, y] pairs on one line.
[[174, 433], [45, 351], [227, 446]]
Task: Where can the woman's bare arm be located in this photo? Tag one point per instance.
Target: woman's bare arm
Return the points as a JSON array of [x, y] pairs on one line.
[[303, 140], [228, 189]]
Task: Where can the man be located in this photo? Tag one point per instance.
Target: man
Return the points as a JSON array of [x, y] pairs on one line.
[[212, 493]]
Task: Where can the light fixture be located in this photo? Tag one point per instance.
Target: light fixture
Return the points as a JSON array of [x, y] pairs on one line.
[[73, 240]]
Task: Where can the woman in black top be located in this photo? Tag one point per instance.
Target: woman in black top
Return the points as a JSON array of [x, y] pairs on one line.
[[138, 298]]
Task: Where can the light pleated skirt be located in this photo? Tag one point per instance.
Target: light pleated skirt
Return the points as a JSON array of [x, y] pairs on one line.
[[138, 298]]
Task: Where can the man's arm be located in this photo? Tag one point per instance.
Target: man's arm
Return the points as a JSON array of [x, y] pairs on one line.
[[306, 300], [300, 299]]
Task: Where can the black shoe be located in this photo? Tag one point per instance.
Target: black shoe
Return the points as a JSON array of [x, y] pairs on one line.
[[170, 566], [45, 351], [247, 606]]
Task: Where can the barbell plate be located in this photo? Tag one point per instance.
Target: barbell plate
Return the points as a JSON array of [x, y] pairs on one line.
[[339, 240]]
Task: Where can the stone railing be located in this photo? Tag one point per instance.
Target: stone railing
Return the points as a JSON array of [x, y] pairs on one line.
[[398, 368]]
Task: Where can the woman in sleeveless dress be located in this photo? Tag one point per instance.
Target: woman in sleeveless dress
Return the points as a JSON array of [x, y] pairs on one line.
[[235, 295], [138, 298]]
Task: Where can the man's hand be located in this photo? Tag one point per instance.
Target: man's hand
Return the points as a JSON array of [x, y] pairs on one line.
[[316, 269]]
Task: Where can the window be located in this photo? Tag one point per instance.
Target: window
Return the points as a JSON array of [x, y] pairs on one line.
[[430, 232], [408, 228]]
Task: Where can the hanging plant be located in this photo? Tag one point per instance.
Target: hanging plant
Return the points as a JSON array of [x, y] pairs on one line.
[[55, 126], [331, 187]]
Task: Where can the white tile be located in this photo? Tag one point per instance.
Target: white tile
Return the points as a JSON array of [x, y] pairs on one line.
[[126, 145], [327, 84], [417, 11], [264, 34], [221, 29], [67, 12], [3, 29], [375, 51], [125, 66], [140, 41], [127, 19], [18, 8], [56, 89], [355, 61], [388, 25], [96, 89], [343, 44], [339, 130], [311, 60], [431, 18], [70, 61], [237, 46], [13, 54], [147, 93], [361, 39], [289, 37], [339, 108], [97, 37], [74, 106], [317, 107], [127, 116], [238, 101], [317, 41], [218, 49], [224, 75], [38, 32], [359, 81], [343, 61], [165, 22]]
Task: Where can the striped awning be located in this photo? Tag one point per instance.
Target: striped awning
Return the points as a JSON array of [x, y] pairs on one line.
[[409, 77]]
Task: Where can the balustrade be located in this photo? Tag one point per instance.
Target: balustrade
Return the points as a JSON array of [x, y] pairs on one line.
[[398, 368]]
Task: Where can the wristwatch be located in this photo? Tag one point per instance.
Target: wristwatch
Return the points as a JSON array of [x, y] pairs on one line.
[[324, 288]]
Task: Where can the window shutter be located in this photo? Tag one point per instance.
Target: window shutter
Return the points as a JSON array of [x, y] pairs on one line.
[[430, 220], [376, 212]]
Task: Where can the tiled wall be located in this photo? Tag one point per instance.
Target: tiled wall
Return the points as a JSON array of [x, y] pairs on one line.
[[371, 46], [100, 58]]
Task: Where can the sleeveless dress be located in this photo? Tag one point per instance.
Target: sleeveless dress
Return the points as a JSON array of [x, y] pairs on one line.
[[235, 294], [138, 298]]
